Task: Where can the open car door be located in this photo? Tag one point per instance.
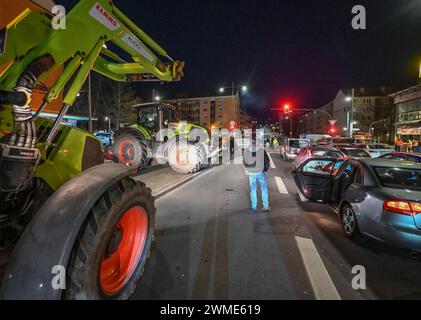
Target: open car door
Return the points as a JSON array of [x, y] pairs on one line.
[[315, 178]]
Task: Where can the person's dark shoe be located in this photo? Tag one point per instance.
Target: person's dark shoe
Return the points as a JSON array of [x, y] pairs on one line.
[[253, 209], [267, 210]]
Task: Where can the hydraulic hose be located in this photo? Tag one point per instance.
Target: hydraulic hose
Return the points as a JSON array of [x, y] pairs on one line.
[[21, 100], [13, 97]]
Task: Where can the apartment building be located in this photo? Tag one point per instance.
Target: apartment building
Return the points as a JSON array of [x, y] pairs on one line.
[[407, 125], [213, 112], [365, 109], [317, 121]]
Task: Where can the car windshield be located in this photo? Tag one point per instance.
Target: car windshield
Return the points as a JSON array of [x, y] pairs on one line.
[[327, 154], [399, 178], [357, 153], [298, 144]]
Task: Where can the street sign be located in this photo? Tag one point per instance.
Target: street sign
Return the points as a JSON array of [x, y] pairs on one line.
[[333, 122]]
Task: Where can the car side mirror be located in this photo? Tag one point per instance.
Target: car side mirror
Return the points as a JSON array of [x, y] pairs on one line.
[[294, 172]]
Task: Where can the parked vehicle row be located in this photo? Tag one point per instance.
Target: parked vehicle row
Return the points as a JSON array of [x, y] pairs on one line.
[[291, 148]]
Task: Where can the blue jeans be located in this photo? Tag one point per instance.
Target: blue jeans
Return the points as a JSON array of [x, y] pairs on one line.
[[262, 178]]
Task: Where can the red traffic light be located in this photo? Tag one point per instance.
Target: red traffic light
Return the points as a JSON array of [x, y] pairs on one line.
[[333, 130], [287, 108]]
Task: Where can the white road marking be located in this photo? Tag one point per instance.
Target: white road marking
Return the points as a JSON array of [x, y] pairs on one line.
[[322, 284], [272, 164], [182, 183], [281, 186]]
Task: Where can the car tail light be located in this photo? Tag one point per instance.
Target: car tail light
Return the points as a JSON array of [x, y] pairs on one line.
[[416, 207], [402, 207]]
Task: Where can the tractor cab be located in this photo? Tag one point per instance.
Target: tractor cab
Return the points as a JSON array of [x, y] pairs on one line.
[[156, 116]]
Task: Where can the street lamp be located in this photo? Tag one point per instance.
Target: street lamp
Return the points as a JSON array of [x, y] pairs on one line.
[[109, 123], [157, 98], [233, 87], [350, 111]]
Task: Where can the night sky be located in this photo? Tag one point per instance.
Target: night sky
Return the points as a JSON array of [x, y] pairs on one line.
[[300, 51]]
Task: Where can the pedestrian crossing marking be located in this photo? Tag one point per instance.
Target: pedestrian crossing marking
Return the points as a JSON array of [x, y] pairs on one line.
[[281, 186], [272, 164], [323, 286]]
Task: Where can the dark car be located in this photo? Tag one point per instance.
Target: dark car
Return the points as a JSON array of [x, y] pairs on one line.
[[375, 197], [402, 156]]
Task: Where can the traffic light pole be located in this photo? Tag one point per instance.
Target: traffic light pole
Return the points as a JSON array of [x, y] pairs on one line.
[[300, 110]]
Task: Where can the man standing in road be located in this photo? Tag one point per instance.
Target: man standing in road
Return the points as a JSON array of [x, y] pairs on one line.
[[257, 163]]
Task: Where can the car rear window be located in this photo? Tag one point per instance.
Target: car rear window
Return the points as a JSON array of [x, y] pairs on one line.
[[399, 178], [356, 153], [402, 157], [298, 144]]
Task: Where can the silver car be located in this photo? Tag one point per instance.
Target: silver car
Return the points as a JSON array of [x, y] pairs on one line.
[[376, 149], [374, 197]]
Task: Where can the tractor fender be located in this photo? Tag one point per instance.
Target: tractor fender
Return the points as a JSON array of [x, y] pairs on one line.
[[48, 240], [128, 130], [134, 130]]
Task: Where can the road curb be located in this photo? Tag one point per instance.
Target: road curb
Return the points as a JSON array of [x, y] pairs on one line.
[[181, 183]]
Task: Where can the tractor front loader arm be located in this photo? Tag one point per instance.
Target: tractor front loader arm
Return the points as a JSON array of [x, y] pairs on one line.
[[34, 50]]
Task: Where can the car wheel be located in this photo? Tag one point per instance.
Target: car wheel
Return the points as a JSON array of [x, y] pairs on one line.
[[349, 222]]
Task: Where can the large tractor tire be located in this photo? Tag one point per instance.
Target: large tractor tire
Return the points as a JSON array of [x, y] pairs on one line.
[[114, 244], [131, 149], [184, 157]]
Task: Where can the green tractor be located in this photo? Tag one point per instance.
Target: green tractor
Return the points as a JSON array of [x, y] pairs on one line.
[[71, 226], [159, 137]]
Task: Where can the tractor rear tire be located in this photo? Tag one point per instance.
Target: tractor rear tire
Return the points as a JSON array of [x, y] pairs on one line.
[[112, 248], [132, 150], [185, 158]]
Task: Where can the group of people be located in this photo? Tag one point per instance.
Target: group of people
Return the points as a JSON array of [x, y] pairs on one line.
[[409, 146], [272, 142]]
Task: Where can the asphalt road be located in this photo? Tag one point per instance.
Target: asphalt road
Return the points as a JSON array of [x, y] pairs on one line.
[[209, 245]]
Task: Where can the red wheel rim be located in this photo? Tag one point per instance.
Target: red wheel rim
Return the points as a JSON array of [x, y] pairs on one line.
[[126, 152], [119, 264]]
